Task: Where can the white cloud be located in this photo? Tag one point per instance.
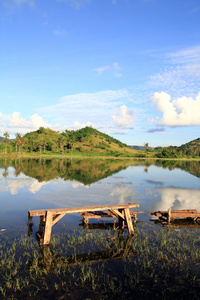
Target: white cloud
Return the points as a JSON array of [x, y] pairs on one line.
[[183, 111], [77, 125], [87, 107], [114, 69], [18, 124], [181, 72], [125, 117], [34, 123]]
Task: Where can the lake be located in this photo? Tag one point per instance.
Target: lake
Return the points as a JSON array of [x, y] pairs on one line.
[[83, 263]]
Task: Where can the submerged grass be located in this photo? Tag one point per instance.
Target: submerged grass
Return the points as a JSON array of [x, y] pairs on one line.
[[156, 262]]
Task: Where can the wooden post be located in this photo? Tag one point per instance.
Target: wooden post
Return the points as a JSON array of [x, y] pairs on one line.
[[48, 227], [129, 221], [169, 215], [121, 220]]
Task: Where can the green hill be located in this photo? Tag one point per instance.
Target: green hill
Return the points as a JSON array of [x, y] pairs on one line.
[[189, 149], [86, 140]]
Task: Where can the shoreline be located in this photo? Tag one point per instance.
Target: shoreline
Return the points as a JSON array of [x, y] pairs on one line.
[[60, 156]]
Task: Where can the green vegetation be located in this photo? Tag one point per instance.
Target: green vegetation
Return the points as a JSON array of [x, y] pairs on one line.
[[191, 149], [86, 141], [154, 264]]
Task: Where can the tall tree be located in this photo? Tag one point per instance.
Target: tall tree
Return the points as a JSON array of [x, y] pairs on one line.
[[62, 143], [5, 140], [18, 141]]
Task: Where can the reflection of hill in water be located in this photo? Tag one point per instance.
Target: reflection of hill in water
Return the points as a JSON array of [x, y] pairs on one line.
[[85, 171], [192, 167]]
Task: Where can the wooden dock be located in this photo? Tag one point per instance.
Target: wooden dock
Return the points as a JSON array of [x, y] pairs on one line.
[[170, 215], [49, 217]]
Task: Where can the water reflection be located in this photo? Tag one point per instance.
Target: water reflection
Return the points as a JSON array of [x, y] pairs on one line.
[[47, 183], [178, 198], [118, 247]]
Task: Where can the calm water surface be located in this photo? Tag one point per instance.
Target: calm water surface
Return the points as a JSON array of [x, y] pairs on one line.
[[156, 263], [34, 184]]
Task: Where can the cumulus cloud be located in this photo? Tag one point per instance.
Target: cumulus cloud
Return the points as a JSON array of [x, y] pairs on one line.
[[124, 118], [34, 123], [183, 111], [18, 124]]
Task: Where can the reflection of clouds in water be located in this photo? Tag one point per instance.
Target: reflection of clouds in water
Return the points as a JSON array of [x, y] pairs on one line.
[[151, 192], [178, 198], [76, 184], [15, 184], [122, 193], [104, 192]]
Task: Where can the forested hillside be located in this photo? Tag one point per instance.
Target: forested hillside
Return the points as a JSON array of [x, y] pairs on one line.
[[86, 140], [191, 149]]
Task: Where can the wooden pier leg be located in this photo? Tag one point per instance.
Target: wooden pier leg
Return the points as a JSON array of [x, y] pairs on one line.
[[41, 225], [169, 215], [48, 227], [120, 220], [129, 221]]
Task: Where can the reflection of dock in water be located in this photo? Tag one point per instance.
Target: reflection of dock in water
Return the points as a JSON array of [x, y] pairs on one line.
[[187, 218], [49, 217], [118, 249]]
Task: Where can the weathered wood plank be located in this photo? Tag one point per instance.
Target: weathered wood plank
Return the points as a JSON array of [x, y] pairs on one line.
[[41, 212], [48, 227], [105, 214], [117, 213], [129, 221], [57, 218], [172, 214]]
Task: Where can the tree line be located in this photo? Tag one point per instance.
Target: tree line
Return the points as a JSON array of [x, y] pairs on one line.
[[45, 139]]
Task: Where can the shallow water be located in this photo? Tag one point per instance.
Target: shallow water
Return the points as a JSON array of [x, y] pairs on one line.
[[35, 184]]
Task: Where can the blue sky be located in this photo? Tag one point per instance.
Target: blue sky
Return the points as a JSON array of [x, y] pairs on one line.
[[129, 68]]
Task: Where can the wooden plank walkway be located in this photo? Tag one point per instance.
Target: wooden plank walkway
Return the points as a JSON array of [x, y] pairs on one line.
[[170, 215], [49, 217]]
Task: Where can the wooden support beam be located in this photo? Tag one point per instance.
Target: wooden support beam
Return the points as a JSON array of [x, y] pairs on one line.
[[129, 221], [169, 215], [57, 218], [117, 213], [48, 227]]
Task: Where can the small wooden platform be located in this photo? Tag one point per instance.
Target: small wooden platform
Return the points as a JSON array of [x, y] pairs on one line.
[[105, 214], [170, 215], [49, 217]]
